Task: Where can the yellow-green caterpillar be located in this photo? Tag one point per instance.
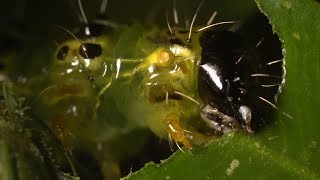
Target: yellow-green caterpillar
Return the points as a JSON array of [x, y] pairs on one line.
[[186, 84]]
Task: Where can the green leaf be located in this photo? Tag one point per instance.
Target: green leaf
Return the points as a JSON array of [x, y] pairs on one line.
[[233, 156], [297, 24], [289, 148]]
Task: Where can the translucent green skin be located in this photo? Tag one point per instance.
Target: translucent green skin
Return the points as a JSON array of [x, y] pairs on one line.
[[129, 84], [92, 103], [140, 95]]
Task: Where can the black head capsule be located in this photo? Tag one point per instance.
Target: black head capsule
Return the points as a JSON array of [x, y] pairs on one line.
[[238, 87]]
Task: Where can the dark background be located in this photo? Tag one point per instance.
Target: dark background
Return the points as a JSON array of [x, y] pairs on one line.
[[64, 12]]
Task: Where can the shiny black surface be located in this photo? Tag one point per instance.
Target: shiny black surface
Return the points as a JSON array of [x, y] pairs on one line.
[[230, 76]]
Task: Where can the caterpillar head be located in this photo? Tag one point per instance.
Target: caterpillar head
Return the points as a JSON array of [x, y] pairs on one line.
[[166, 80], [86, 59], [80, 69], [170, 69]]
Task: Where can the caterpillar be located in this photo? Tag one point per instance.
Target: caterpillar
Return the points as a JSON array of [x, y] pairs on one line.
[[188, 85]]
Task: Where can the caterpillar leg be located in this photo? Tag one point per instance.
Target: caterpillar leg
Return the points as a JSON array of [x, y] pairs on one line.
[[175, 131]]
